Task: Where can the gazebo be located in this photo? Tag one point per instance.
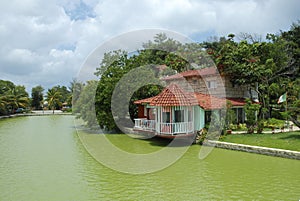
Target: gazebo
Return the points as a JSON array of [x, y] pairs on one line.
[[171, 113]]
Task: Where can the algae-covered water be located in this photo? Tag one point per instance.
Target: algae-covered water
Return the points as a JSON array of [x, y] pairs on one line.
[[42, 158]]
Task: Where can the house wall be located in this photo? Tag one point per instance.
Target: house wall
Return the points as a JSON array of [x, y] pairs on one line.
[[198, 118], [141, 111], [200, 84], [235, 91]]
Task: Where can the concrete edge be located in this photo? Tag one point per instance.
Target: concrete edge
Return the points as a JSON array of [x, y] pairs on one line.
[[31, 114], [254, 149]]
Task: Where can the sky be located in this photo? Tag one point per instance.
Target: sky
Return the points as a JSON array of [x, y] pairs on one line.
[[47, 42]]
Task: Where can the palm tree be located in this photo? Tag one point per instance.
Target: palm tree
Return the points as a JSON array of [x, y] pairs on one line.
[[16, 97], [53, 97], [3, 104]]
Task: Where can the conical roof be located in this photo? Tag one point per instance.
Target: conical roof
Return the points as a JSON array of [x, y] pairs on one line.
[[173, 95]]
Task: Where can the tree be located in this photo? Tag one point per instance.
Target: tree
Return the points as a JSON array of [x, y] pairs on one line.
[[256, 65], [85, 104], [251, 115], [3, 104], [65, 93], [5, 87], [54, 97], [17, 97], [37, 97], [293, 48], [75, 89], [115, 65], [111, 72]]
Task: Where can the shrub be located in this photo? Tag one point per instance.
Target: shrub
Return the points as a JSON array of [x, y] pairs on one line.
[[260, 126], [201, 135], [242, 126], [251, 111], [274, 123]]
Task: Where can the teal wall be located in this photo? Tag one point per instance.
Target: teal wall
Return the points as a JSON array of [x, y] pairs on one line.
[[198, 118]]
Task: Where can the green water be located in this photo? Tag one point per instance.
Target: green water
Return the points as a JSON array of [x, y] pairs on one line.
[[42, 158]]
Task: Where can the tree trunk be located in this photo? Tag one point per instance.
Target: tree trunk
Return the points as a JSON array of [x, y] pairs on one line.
[[297, 123]]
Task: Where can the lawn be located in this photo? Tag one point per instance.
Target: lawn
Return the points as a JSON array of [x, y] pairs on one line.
[[289, 140]]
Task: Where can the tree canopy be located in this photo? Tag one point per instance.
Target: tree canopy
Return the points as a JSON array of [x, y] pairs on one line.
[[12, 97], [37, 97], [270, 67]]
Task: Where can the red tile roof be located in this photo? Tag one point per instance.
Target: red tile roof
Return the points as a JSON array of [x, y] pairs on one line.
[[144, 101], [209, 102], [193, 73], [173, 95], [237, 101]]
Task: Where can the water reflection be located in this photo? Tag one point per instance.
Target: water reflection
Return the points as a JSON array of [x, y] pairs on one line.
[[42, 158]]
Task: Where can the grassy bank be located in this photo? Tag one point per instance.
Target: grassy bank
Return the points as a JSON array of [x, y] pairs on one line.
[[288, 141]]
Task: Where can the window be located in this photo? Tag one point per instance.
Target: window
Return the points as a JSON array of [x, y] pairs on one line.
[[166, 117], [211, 84], [145, 111], [179, 115], [207, 116]]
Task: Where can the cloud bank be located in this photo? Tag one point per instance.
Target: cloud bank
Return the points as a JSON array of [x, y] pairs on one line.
[[46, 42]]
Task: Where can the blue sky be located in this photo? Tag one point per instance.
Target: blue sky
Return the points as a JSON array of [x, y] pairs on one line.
[[46, 42]]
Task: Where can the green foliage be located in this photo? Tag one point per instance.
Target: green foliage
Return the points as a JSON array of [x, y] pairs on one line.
[[269, 68], [201, 136], [12, 97], [230, 116], [85, 104], [54, 98], [251, 115], [37, 97], [65, 94], [117, 66], [260, 126], [274, 123], [75, 89]]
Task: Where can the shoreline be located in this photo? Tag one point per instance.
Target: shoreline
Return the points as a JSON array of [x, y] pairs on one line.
[[283, 153], [36, 113]]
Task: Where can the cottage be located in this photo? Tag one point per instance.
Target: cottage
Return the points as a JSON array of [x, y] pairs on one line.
[[187, 102]]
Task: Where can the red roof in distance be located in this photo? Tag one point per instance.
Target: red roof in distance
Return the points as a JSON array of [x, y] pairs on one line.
[[144, 101], [193, 73]]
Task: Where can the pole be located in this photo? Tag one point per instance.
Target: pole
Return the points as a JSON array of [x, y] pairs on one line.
[[286, 110]]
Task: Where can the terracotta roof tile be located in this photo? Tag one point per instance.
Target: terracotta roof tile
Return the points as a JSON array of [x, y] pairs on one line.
[[173, 95], [208, 102], [193, 73], [144, 101], [237, 101]]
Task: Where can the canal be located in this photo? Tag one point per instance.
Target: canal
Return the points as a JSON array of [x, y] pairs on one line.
[[42, 158]]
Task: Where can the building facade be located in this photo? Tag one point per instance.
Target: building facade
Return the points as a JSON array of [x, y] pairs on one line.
[[188, 101]]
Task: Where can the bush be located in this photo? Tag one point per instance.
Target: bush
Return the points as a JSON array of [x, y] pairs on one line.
[[242, 127], [276, 114], [201, 135], [274, 123], [233, 126], [260, 126]]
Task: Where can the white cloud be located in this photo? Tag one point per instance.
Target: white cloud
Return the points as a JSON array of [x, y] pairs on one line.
[[46, 42]]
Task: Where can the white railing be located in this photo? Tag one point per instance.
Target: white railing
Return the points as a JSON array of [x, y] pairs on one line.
[[164, 128], [144, 124], [176, 128]]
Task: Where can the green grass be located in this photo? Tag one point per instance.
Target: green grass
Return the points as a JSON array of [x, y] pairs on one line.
[[289, 140]]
